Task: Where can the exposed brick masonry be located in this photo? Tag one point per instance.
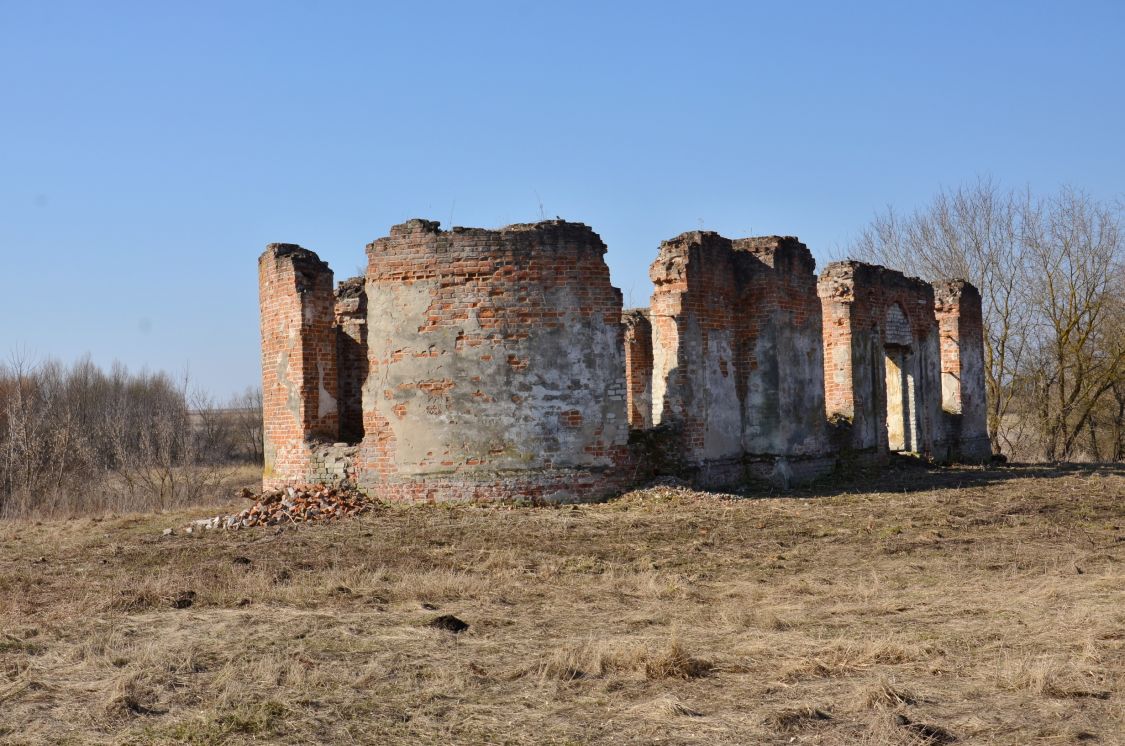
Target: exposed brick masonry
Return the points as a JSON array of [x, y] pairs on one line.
[[872, 314], [299, 386], [957, 305], [484, 364], [737, 352], [638, 367], [351, 351]]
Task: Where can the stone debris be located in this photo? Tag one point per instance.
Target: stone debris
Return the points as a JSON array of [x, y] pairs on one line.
[[670, 490], [183, 600], [449, 623], [302, 504]]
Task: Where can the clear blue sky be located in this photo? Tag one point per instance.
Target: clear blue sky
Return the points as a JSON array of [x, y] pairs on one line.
[[150, 150]]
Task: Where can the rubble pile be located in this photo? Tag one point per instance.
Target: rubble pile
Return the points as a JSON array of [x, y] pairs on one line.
[[311, 502]]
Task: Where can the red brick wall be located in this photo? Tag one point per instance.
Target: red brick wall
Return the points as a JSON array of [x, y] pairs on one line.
[[837, 303], [638, 367], [737, 350], [693, 308], [858, 323], [960, 324], [781, 350], [483, 364], [299, 386]]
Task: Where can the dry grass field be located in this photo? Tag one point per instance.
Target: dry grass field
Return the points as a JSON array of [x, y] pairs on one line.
[[964, 606]]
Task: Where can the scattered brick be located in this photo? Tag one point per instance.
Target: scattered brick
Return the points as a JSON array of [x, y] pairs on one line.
[[301, 504]]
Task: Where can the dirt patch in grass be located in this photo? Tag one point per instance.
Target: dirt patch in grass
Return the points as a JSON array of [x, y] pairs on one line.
[[985, 606]]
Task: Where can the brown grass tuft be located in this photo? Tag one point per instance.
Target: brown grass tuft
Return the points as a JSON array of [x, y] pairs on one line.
[[788, 720], [884, 694], [666, 706], [1050, 676], [674, 662]]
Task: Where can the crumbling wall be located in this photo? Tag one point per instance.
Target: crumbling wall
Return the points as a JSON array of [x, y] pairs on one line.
[[737, 355], [638, 367], [351, 355], [957, 305], [495, 365], [692, 313], [880, 336], [299, 382], [485, 364], [780, 318]]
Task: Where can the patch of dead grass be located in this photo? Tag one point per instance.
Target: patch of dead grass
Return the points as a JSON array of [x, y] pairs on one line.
[[673, 617], [1051, 676]]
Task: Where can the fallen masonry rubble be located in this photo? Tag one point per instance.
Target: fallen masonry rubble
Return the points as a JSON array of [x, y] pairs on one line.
[[298, 504]]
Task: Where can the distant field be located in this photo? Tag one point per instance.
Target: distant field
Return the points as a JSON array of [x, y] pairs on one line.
[[921, 607]]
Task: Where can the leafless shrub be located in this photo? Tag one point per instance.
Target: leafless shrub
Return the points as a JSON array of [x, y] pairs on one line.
[[78, 438]]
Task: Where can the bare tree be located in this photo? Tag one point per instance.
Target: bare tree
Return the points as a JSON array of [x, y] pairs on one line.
[[247, 409], [1074, 250], [973, 233], [1050, 275]]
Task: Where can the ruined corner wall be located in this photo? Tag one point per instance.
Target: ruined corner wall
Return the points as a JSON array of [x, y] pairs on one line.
[[299, 373], [737, 355], [872, 313], [495, 365], [638, 367], [960, 326]]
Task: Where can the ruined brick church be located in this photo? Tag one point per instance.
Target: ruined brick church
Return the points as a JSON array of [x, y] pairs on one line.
[[485, 364]]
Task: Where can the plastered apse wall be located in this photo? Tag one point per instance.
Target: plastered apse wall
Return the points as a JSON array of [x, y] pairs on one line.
[[495, 363]]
